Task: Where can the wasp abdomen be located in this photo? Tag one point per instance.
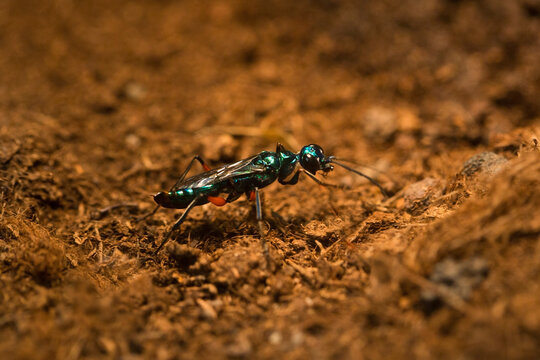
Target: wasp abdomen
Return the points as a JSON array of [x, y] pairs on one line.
[[179, 199]]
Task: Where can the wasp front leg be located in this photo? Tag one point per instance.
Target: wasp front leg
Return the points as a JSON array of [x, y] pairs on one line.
[[322, 183]]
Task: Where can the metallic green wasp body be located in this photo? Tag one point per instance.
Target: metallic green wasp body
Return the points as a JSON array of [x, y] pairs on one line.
[[227, 183]]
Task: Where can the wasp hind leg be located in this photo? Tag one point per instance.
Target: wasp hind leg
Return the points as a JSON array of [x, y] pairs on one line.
[[178, 223], [178, 182]]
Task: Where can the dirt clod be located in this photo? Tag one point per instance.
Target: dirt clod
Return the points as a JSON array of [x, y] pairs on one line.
[[417, 196], [486, 162], [459, 277]]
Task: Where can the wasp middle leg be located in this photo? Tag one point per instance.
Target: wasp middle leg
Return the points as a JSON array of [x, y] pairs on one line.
[[264, 243]]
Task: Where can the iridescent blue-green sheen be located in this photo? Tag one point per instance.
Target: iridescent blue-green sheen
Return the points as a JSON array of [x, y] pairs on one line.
[[231, 181], [243, 177]]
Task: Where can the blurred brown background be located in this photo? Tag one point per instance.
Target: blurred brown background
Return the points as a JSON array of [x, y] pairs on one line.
[[104, 102]]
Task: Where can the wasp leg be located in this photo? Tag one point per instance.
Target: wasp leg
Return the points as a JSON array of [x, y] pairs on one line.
[[200, 160], [216, 200], [322, 183], [178, 182], [251, 196], [178, 223], [148, 215], [264, 244]]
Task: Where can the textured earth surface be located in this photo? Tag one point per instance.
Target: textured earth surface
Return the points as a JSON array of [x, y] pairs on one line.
[[103, 104]]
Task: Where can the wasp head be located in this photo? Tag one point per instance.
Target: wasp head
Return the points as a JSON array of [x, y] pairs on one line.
[[312, 159]]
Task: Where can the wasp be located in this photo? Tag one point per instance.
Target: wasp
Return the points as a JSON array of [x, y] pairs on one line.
[[227, 183]]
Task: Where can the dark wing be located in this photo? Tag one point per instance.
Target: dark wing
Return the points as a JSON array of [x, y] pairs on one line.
[[229, 171]]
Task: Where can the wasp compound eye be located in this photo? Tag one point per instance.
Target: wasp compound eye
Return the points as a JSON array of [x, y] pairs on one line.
[[311, 157], [310, 163]]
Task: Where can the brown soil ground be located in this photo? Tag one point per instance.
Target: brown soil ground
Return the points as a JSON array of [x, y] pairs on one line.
[[103, 103]]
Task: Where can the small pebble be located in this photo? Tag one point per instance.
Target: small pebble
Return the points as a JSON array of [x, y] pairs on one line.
[[486, 162], [133, 91], [207, 310], [275, 338], [240, 348], [133, 141]]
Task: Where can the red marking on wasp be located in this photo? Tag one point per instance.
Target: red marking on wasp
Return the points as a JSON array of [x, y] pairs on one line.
[[206, 167], [252, 196], [216, 200]]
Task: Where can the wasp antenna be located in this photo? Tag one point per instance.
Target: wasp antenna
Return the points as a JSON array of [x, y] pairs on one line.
[[346, 167], [354, 162]]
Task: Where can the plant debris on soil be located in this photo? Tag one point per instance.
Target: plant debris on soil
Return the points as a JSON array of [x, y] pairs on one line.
[[103, 104]]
